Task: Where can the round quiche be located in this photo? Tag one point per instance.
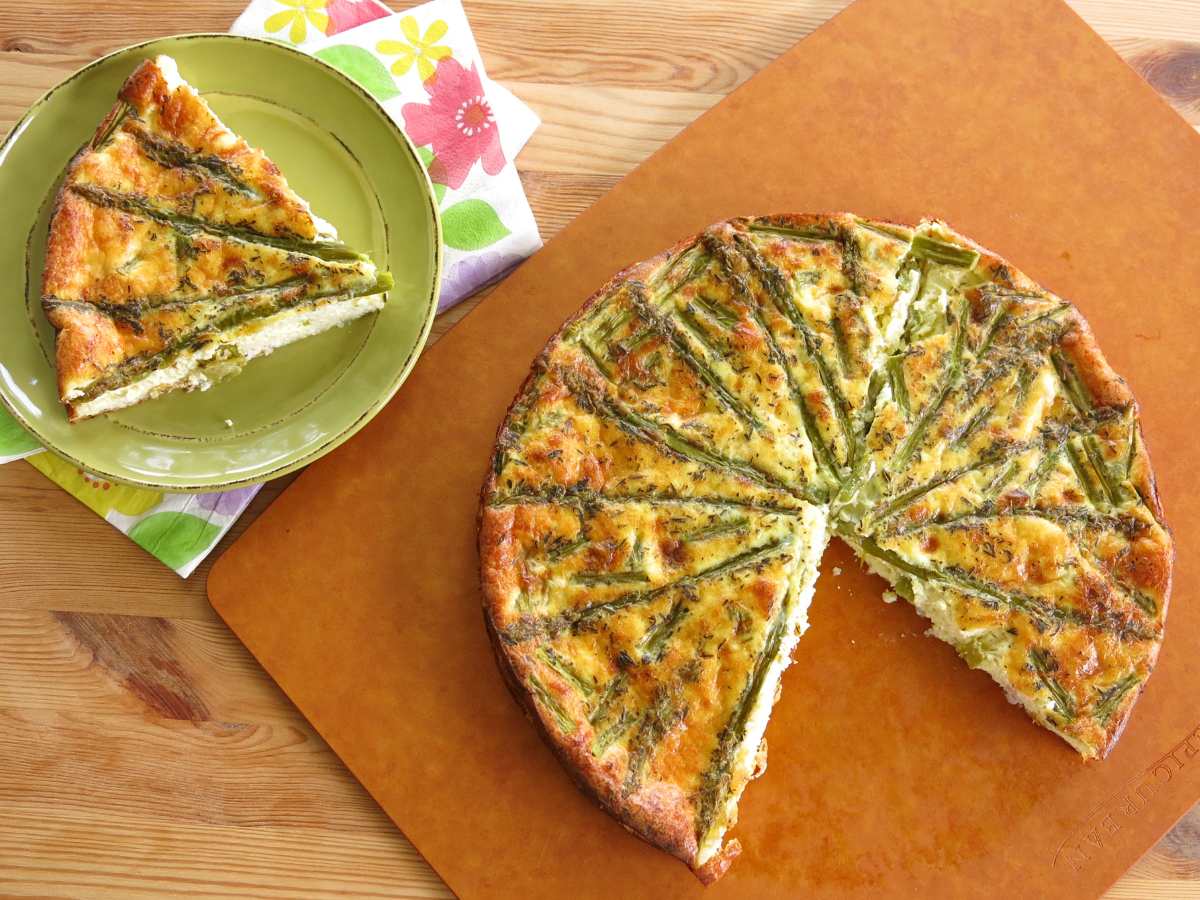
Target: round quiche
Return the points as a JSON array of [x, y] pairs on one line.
[[667, 478]]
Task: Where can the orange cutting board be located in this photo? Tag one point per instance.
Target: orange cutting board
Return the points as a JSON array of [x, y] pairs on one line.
[[893, 768]]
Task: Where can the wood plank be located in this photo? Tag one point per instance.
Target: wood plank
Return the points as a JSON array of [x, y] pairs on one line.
[[556, 197], [690, 47], [117, 856], [564, 40], [1163, 19], [1176, 857], [140, 666], [604, 130], [206, 772], [1171, 67], [41, 566]]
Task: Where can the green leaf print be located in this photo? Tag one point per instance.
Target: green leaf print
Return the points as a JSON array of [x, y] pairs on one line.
[[472, 225], [363, 67], [174, 537], [13, 438], [439, 190]]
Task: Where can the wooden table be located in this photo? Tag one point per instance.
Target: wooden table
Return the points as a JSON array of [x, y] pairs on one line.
[[142, 749]]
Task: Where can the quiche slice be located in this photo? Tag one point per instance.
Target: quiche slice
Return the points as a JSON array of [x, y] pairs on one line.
[[647, 639], [662, 487], [1010, 496], [177, 252]]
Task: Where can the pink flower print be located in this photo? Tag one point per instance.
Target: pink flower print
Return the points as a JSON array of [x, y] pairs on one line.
[[457, 122], [345, 14]]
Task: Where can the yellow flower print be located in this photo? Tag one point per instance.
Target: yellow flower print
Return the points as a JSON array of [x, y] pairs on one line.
[[298, 14], [99, 495], [424, 51]]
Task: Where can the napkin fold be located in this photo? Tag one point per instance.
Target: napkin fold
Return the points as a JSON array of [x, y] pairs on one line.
[[423, 67]]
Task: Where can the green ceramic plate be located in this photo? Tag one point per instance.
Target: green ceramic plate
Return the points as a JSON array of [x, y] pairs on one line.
[[342, 153]]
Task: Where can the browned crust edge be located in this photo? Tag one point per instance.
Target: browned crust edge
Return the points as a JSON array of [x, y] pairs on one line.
[[82, 338]]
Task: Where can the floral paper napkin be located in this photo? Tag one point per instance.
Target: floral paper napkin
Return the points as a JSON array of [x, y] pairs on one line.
[[424, 68]]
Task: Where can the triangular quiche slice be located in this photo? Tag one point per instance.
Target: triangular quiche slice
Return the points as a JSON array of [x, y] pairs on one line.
[[1010, 496], [648, 639], [177, 252]]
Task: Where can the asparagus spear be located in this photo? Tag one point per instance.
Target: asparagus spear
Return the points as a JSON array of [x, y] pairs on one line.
[[950, 378], [715, 311], [797, 234], [557, 496], [613, 691], [140, 206], [596, 578], [716, 781], [565, 723], [1044, 665], [173, 155], [895, 370], [1110, 698], [575, 618], [777, 288], [717, 529], [136, 366], [654, 642], [671, 335], [568, 673], [725, 256], [942, 253]]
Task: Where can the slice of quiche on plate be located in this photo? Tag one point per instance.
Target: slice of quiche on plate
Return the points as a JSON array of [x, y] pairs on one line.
[[177, 253], [154, 251]]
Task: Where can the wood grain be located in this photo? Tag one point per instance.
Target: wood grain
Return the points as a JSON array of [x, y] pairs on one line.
[[144, 752]]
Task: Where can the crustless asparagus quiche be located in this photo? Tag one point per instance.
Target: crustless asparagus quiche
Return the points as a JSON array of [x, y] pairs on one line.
[[177, 252], [668, 476]]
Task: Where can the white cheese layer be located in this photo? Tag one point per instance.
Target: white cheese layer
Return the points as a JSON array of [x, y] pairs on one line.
[[811, 539], [188, 371]]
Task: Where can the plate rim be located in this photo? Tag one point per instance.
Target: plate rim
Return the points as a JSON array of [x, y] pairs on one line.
[[405, 368]]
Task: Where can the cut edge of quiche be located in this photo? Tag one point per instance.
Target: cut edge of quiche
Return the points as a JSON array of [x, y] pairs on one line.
[[749, 760], [177, 253]]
